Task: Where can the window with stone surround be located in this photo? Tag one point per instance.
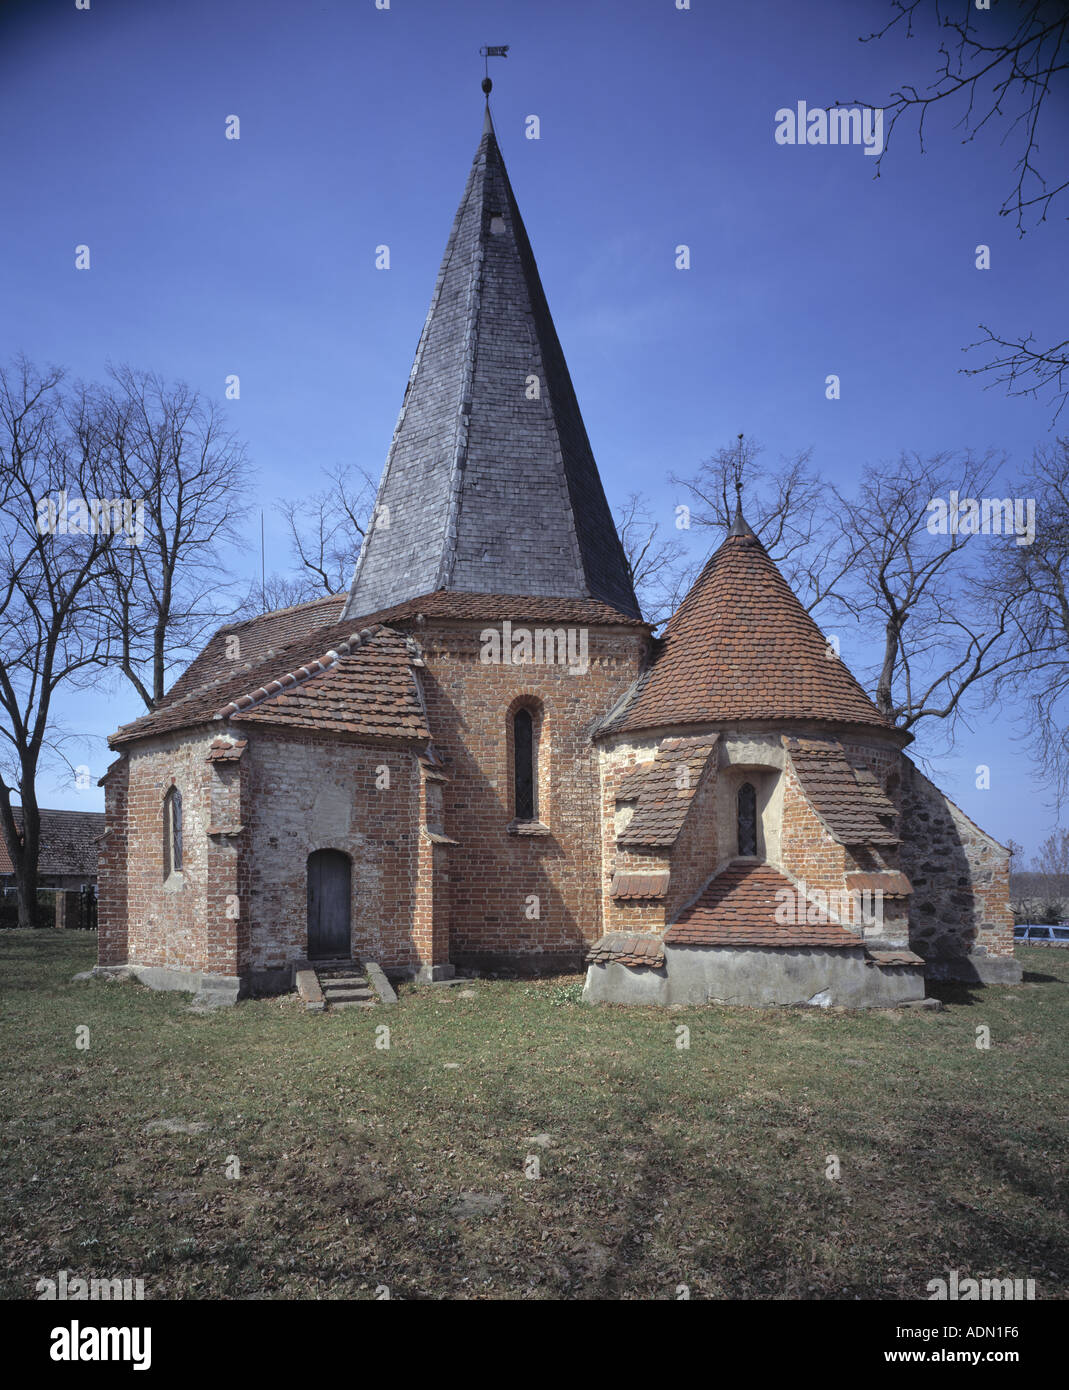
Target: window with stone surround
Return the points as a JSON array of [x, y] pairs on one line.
[[172, 833], [747, 820]]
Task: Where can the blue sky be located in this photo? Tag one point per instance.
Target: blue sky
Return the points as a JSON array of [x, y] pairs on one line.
[[358, 125]]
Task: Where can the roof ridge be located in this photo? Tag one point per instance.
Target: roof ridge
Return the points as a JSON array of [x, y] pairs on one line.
[[276, 612], [303, 673]]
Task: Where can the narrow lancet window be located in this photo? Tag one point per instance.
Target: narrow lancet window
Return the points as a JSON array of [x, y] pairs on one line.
[[524, 764], [172, 833], [747, 816]]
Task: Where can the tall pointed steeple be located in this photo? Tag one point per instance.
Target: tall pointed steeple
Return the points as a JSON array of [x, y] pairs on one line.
[[490, 485]]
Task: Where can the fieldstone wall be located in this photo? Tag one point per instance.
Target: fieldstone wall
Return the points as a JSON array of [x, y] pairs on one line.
[[960, 876]]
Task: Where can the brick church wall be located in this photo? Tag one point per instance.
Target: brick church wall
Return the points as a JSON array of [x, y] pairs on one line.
[[112, 892], [696, 851], [495, 876], [615, 760], [142, 919], [808, 851], [310, 793]]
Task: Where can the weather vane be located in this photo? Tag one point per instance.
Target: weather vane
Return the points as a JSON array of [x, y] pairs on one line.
[[489, 51]]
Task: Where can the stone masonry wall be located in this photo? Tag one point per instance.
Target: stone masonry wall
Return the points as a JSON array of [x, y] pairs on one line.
[[960, 875]]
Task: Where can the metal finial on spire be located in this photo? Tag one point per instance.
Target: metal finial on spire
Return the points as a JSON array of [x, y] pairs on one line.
[[487, 52], [739, 526]]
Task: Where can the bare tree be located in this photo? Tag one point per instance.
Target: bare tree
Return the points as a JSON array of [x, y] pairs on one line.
[[57, 527], [942, 637], [658, 567], [1051, 867], [327, 528], [174, 454], [1036, 578], [1001, 72], [787, 508]]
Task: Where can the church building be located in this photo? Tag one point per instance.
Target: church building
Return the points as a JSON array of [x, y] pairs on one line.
[[482, 759]]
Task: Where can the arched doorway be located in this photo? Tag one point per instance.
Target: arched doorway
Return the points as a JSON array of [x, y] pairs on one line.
[[329, 897]]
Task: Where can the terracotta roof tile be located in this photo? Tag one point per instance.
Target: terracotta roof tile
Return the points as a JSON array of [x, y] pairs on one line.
[[741, 646], [226, 751], [496, 608], [256, 638], [892, 883], [628, 948], [271, 633], [848, 809], [895, 956], [662, 805], [636, 884], [336, 679], [738, 908]]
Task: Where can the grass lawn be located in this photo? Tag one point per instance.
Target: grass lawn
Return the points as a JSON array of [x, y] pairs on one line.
[[362, 1167]]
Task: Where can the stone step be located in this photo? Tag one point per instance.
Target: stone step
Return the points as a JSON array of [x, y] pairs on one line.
[[349, 996], [354, 1004], [344, 982]]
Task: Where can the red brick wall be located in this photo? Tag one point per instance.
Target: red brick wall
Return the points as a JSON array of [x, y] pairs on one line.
[[492, 874], [695, 854], [143, 920], [111, 871], [309, 793], [807, 850]]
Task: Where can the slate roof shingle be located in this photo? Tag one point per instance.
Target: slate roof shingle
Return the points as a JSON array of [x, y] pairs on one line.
[[738, 908], [741, 647], [487, 488]]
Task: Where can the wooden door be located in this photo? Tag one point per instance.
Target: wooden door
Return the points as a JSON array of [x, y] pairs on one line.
[[329, 887]]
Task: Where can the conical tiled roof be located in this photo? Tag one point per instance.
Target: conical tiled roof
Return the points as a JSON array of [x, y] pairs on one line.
[[490, 488], [741, 647]]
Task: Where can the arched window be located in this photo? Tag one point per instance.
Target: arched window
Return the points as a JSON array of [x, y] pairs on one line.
[[747, 819], [172, 833], [523, 754]]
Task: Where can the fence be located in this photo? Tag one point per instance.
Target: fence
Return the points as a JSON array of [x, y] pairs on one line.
[[69, 909]]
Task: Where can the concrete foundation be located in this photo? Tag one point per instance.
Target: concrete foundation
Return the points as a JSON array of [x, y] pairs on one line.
[[760, 977]]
